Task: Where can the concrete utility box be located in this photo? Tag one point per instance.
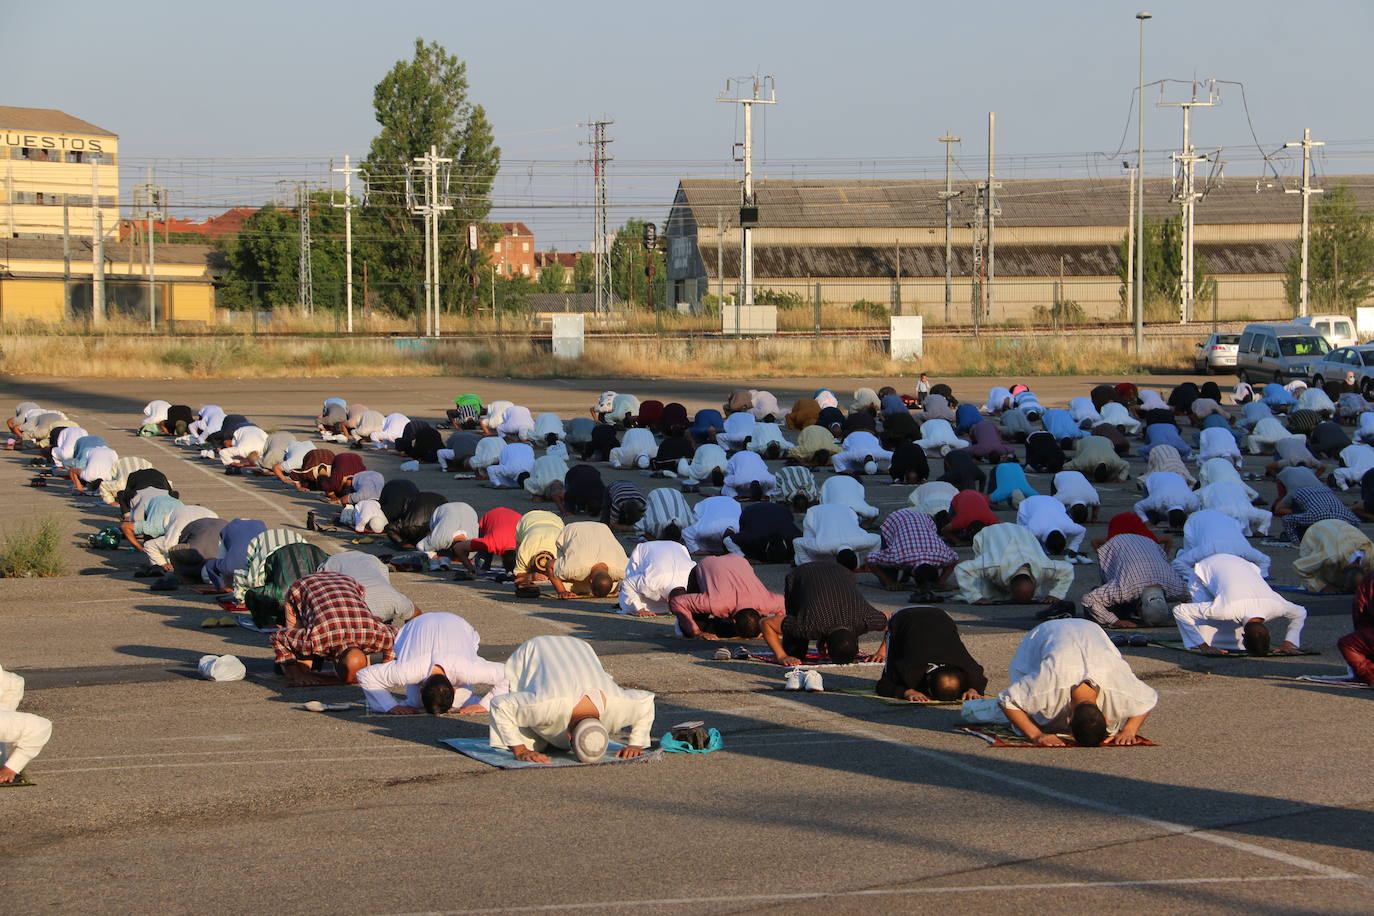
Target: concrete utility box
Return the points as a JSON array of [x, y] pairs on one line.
[[568, 335], [907, 336], [1364, 322], [753, 319]]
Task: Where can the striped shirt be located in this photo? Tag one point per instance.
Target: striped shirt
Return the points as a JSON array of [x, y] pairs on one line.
[[325, 616], [620, 496], [909, 539], [665, 506], [254, 572], [1130, 564], [792, 481], [821, 596]]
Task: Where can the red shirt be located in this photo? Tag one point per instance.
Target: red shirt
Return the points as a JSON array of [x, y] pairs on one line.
[[967, 507], [496, 531]]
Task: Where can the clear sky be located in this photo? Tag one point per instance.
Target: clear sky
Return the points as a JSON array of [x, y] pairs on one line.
[[274, 89]]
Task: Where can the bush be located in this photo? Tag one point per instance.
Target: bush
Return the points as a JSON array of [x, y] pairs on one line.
[[870, 309], [1066, 312], [32, 551], [783, 299]]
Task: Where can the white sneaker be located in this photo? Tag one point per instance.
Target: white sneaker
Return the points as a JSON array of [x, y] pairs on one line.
[[812, 682], [793, 681]]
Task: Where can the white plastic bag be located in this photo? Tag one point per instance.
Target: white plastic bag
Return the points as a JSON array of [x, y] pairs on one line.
[[410, 465], [987, 711], [221, 668]]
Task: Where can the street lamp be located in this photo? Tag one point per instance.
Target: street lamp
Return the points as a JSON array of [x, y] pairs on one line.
[[1140, 194]]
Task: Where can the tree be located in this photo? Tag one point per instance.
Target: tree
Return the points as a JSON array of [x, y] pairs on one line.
[[1161, 249], [628, 280], [264, 258], [1340, 255], [420, 103], [584, 273], [553, 278]]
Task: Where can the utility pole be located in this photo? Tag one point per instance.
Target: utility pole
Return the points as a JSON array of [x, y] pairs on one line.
[[347, 206], [948, 195], [749, 210], [1186, 195], [149, 199], [993, 211], [97, 249], [601, 246], [1130, 234], [976, 284], [435, 202], [1139, 316], [1306, 191], [305, 274], [66, 260]]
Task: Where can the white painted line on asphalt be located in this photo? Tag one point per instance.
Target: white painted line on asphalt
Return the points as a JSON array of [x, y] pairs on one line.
[[1169, 827], [296, 761], [237, 752], [875, 892]]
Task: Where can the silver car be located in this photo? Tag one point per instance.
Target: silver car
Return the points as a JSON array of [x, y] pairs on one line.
[[1340, 362], [1217, 352]]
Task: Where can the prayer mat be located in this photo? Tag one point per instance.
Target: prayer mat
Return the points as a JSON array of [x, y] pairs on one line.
[[890, 701], [21, 781], [501, 758], [246, 621], [229, 604], [814, 658], [1177, 646], [1334, 680], [1299, 590], [1006, 736]]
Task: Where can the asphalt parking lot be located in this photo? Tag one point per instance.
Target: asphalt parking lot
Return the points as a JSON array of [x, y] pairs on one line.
[[163, 792]]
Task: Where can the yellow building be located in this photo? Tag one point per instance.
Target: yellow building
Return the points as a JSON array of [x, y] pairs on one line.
[[50, 162]]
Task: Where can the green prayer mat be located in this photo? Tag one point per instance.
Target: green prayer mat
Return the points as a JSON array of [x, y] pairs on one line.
[[890, 701], [21, 781], [1177, 646], [1006, 736]]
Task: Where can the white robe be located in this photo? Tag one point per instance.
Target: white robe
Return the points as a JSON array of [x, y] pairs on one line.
[[1356, 460], [1117, 415], [1228, 496], [549, 676], [739, 427], [516, 422], [1266, 432], [766, 433], [715, 516], [1217, 470], [488, 452], [1084, 413], [655, 569], [516, 458], [1228, 591], [1046, 514], [22, 734], [435, 638], [933, 497], [1209, 532], [547, 424], [743, 469], [1057, 656], [829, 529], [1164, 492], [937, 436], [546, 471], [636, 450], [1071, 488], [847, 491], [706, 459], [1215, 442], [858, 447]]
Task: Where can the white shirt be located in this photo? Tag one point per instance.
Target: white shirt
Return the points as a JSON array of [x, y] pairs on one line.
[[246, 441], [516, 458], [155, 412], [1071, 488], [548, 676], [1117, 415], [100, 462], [765, 403], [1057, 656], [434, 638], [1150, 400], [22, 734], [64, 449], [862, 443], [764, 433], [637, 441], [516, 420], [844, 490], [1216, 470], [547, 470], [393, 427], [179, 518], [1315, 399], [1082, 409], [1165, 491], [1046, 514], [654, 570], [706, 459], [738, 427], [488, 452], [450, 522], [1209, 532], [743, 469], [832, 528], [997, 400], [715, 515], [547, 423], [1216, 442], [1228, 591], [938, 432], [933, 497], [295, 455], [496, 410]]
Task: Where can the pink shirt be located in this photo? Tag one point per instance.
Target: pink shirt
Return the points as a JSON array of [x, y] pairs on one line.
[[727, 584]]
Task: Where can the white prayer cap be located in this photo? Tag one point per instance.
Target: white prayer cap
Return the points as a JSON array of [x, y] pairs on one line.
[[589, 740]]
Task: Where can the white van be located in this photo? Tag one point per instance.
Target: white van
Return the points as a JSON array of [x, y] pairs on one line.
[[1339, 330]]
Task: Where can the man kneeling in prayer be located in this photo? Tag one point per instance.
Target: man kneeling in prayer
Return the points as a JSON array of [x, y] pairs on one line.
[[436, 664], [926, 659], [1231, 607], [1067, 674], [561, 696]]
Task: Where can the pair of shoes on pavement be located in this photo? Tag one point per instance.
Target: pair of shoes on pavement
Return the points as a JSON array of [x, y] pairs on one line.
[[808, 680]]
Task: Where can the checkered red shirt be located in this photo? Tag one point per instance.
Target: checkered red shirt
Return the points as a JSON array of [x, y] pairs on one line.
[[326, 614], [910, 539]]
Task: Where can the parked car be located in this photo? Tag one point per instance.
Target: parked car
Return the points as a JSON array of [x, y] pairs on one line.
[[1217, 352], [1334, 366], [1278, 352], [1339, 330]]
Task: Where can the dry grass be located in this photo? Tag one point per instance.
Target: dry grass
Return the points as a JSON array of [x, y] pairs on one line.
[[32, 550], [237, 357]]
